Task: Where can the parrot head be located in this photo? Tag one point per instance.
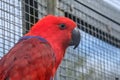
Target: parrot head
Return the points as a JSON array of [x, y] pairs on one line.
[[58, 31]]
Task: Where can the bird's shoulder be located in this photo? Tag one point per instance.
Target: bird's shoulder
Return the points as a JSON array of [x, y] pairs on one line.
[[28, 56]]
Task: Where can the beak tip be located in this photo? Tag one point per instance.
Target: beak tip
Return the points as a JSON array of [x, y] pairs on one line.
[[74, 47]]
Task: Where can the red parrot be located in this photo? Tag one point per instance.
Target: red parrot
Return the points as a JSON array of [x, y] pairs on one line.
[[37, 55]]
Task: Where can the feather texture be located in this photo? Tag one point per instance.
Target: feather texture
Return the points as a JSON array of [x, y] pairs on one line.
[[29, 59]]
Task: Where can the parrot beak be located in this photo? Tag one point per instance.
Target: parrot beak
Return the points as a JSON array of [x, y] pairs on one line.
[[75, 38]]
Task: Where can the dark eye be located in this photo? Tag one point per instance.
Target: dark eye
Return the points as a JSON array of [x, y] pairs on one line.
[[62, 26]]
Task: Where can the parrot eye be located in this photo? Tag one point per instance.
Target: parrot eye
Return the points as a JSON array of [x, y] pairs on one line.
[[62, 26]]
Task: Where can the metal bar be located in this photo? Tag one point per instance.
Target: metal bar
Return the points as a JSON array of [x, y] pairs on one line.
[[51, 6], [98, 13]]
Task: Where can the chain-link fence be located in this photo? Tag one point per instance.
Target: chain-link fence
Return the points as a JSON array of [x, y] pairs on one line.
[[98, 55]]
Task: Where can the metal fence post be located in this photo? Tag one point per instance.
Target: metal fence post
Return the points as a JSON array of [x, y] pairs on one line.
[[51, 6]]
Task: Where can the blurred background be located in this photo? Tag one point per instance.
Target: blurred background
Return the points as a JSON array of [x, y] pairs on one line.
[[98, 55]]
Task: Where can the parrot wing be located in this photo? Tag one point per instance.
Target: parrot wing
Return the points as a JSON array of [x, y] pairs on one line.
[[29, 59]]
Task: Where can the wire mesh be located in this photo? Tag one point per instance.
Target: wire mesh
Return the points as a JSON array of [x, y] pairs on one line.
[[10, 24], [32, 11], [96, 58]]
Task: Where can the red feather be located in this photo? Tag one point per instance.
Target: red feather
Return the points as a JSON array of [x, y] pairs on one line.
[[29, 60]]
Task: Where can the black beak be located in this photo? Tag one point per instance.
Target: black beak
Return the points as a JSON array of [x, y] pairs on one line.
[[75, 38]]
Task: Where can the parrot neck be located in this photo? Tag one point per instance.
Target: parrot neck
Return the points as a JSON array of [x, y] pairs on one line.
[[59, 52], [59, 49]]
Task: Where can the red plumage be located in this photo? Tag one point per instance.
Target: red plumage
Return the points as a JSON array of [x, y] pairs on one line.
[[26, 59], [34, 59]]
